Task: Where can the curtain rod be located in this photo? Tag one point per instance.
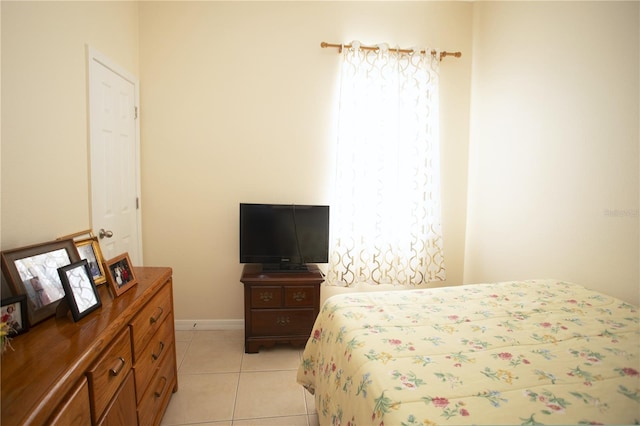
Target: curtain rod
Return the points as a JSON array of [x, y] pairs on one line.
[[324, 44]]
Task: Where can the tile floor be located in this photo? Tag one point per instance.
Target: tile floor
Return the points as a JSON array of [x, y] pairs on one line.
[[220, 385]]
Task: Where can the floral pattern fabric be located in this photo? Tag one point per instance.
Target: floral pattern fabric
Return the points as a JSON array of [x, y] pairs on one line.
[[530, 352]]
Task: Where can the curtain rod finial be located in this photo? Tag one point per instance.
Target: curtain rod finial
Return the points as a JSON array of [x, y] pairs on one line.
[[454, 54]]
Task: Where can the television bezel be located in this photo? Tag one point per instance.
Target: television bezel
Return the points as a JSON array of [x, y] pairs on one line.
[[281, 262]]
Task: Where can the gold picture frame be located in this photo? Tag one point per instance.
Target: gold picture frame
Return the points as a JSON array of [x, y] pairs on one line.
[[88, 247], [89, 250]]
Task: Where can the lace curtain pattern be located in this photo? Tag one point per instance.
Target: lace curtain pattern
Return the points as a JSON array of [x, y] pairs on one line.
[[386, 210]]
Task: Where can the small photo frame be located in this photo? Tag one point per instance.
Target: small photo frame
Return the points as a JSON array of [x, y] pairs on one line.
[[120, 275], [81, 292], [89, 249], [33, 271], [14, 314]]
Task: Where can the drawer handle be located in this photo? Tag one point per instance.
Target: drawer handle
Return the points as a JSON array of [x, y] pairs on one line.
[[156, 356], [299, 296], [283, 321], [157, 317], [116, 370], [158, 393], [266, 297]]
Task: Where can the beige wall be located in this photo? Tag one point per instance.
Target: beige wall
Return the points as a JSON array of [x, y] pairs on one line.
[[553, 178], [45, 183], [219, 126], [237, 104]]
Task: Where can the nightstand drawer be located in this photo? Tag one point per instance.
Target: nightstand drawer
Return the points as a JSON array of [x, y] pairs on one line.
[[266, 297], [281, 322], [299, 296]]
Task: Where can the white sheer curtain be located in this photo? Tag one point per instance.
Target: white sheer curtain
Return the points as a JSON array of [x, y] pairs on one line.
[[386, 210]]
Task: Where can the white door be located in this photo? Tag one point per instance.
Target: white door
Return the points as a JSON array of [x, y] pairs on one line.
[[115, 163]]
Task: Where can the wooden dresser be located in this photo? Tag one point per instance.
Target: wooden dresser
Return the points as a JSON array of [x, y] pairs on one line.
[[116, 366], [279, 307]]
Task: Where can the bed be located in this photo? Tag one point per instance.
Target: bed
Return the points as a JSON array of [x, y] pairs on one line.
[[526, 352]]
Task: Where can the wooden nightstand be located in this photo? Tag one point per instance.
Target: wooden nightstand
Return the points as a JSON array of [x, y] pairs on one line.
[[279, 307]]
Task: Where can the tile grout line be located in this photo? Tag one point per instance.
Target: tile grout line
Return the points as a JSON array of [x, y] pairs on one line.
[[188, 342], [235, 397]]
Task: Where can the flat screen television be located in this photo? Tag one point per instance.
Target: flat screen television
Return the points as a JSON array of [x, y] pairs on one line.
[[284, 236]]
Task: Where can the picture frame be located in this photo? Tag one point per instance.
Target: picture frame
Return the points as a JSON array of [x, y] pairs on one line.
[[89, 249], [81, 292], [77, 235], [33, 271], [14, 313], [120, 274]]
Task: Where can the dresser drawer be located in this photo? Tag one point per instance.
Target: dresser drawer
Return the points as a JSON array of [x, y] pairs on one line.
[[299, 296], [76, 409], [149, 320], [280, 322], [266, 297], [153, 355], [122, 409], [152, 404], [108, 373]]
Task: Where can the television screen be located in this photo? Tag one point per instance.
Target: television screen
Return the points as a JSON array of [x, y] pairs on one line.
[[284, 236]]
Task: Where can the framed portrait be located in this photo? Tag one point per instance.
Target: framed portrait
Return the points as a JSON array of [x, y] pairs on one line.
[[89, 249], [33, 271], [120, 275], [14, 314], [80, 291]]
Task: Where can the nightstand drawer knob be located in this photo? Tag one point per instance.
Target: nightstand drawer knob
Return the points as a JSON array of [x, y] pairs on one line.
[[266, 297], [299, 296], [283, 321]]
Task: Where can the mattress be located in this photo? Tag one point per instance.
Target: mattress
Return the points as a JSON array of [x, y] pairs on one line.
[[526, 352]]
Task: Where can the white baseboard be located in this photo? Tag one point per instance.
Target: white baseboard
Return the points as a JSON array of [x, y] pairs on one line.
[[185, 325]]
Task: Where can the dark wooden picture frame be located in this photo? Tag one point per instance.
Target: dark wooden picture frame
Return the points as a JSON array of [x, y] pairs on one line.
[[81, 293], [14, 314], [120, 274], [89, 249], [33, 271]]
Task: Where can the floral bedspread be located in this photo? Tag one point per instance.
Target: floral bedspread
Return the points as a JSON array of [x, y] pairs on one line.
[[533, 352]]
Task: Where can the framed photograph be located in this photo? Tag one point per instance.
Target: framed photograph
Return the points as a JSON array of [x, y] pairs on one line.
[[33, 271], [14, 314], [120, 275], [80, 290], [77, 235], [89, 249]]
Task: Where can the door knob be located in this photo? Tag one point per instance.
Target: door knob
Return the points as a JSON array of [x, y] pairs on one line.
[[104, 233]]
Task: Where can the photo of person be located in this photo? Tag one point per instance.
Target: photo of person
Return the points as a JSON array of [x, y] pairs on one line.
[[12, 314], [40, 279], [89, 250], [86, 252], [121, 272]]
